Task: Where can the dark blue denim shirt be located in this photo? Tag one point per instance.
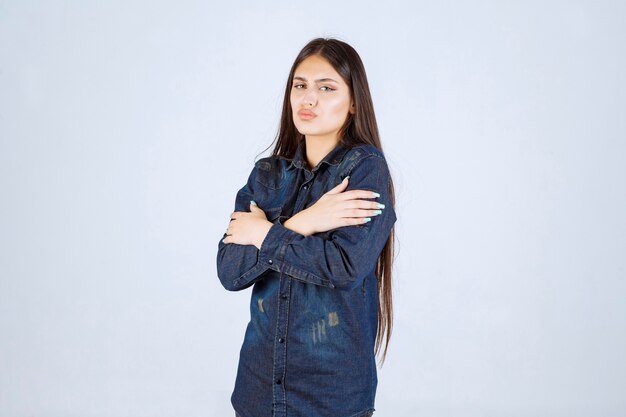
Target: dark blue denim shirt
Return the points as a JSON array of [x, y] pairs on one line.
[[308, 350]]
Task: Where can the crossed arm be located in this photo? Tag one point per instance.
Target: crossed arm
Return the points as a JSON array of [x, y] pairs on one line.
[[339, 260]]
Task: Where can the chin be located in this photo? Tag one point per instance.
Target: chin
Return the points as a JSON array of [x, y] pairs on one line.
[[311, 134], [305, 131]]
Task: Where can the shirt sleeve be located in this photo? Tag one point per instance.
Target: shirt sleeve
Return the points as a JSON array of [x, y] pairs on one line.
[[237, 265], [344, 256]]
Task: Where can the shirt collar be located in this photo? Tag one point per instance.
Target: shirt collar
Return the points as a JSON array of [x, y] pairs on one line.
[[334, 157]]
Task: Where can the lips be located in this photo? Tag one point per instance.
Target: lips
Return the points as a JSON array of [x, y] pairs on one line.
[[306, 114]]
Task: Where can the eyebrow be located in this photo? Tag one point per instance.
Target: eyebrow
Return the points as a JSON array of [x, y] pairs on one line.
[[317, 81]]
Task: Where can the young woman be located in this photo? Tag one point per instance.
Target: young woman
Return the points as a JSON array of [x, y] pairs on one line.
[[313, 231]]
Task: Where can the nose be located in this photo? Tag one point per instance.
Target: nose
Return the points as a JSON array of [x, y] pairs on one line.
[[310, 98]]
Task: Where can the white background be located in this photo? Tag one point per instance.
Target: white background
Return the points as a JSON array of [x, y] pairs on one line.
[[127, 127]]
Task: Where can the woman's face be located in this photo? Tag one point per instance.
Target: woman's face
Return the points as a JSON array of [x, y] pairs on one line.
[[320, 99]]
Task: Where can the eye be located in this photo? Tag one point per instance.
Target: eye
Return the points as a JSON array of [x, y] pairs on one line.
[[297, 86], [327, 88]]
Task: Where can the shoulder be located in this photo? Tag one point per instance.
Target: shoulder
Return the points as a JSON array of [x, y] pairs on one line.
[[270, 171], [270, 163], [362, 151], [364, 154]]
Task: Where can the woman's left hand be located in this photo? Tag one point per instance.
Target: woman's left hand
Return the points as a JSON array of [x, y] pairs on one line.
[[248, 228]]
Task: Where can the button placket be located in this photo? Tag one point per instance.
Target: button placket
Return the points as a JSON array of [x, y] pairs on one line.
[[280, 346]]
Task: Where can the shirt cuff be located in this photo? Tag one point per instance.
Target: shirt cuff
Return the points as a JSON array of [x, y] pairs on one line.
[[273, 247], [273, 250], [282, 219]]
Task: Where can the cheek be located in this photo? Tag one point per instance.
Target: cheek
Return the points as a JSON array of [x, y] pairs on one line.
[[293, 109], [338, 103], [339, 109]]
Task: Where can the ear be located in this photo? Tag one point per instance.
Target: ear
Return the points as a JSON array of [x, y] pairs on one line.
[[352, 109]]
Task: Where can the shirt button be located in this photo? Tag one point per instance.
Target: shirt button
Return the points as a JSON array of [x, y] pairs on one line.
[[284, 296], [306, 186], [270, 262], [278, 381], [281, 340]]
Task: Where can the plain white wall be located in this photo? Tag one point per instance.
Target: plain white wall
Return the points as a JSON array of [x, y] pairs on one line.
[[127, 127]]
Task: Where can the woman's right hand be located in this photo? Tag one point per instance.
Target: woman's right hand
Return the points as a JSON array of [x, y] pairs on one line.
[[337, 208]]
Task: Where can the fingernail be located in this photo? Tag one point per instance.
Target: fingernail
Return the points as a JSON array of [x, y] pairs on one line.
[[378, 211], [380, 205], [375, 194], [367, 219], [346, 178], [253, 202]]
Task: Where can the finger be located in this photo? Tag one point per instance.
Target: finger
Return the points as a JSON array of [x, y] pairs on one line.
[[348, 221], [364, 204], [359, 204], [354, 194], [339, 187], [362, 213]]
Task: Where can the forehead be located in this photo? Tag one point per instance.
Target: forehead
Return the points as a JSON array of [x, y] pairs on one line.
[[316, 67]]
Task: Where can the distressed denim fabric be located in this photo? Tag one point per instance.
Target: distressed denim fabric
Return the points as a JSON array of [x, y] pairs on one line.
[[308, 350], [368, 414]]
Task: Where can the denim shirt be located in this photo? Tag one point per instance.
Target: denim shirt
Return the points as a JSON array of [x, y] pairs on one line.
[[308, 350]]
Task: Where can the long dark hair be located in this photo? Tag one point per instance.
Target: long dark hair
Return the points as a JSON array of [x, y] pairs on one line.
[[359, 128]]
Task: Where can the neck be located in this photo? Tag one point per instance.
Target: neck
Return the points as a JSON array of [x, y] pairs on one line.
[[317, 148]]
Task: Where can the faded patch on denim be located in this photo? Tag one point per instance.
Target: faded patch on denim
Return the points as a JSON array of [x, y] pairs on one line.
[[333, 319], [318, 331]]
